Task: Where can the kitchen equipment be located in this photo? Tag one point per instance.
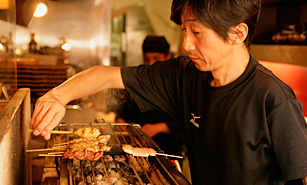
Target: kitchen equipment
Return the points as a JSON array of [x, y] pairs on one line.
[[115, 167]]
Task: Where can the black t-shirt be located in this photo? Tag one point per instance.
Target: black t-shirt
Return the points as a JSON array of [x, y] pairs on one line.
[[251, 131], [170, 143]]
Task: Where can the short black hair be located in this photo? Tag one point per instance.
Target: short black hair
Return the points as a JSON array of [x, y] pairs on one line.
[[157, 44], [221, 15]]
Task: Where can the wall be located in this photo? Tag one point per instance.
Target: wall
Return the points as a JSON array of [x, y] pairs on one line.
[[137, 28], [289, 54]]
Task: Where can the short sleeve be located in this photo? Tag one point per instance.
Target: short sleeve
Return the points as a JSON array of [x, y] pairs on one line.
[[153, 87], [289, 137]]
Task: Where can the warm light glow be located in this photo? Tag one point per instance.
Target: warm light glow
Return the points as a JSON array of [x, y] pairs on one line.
[[18, 51], [66, 46], [25, 47], [1, 46], [41, 10], [4, 4], [93, 44]]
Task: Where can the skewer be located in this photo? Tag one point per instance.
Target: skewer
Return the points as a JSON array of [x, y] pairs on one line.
[[135, 151], [45, 149], [59, 154], [56, 131], [55, 153], [82, 132], [168, 155], [92, 168], [61, 144], [82, 172], [48, 155]]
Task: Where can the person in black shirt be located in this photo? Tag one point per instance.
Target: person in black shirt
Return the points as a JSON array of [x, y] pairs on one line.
[[164, 130], [241, 124]]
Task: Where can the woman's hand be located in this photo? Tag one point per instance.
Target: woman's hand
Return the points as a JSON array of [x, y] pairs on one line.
[[47, 115]]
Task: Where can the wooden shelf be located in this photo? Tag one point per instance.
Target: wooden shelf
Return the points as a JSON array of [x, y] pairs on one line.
[[39, 78], [289, 54]]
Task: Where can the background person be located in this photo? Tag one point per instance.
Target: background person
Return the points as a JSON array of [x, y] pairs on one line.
[[164, 129], [242, 125]]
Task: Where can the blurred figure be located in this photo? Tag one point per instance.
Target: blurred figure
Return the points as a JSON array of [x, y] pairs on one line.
[[163, 129], [155, 49]]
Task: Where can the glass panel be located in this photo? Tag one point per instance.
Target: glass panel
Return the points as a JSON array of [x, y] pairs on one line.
[[82, 26], [8, 72]]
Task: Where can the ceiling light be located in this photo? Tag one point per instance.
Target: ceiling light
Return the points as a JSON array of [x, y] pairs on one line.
[[41, 10], [66, 46]]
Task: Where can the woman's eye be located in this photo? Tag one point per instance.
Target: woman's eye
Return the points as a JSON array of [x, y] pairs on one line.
[[195, 32]]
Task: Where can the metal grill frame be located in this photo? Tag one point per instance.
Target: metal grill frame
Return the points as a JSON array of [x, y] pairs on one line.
[[161, 167]]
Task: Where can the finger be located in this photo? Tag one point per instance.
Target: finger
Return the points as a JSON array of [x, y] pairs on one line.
[[42, 105], [47, 137], [53, 123], [37, 119], [40, 111], [51, 119], [41, 123], [34, 114]]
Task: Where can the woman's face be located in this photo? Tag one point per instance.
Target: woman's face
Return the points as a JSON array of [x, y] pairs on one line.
[[206, 48]]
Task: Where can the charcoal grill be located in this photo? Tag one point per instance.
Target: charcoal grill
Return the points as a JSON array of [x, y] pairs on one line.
[[115, 167]]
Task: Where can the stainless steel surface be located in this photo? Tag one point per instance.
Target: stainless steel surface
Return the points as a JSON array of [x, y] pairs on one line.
[[14, 140]]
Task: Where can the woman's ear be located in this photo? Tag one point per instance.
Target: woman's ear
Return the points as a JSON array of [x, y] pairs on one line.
[[238, 34]]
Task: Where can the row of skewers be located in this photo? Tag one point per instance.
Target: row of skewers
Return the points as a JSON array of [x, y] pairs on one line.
[[92, 145]]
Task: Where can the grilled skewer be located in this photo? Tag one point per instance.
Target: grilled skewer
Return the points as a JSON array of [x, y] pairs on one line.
[[82, 132], [144, 152], [101, 139]]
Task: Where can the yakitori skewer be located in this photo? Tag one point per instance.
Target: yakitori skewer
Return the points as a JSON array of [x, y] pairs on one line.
[[144, 152], [48, 155], [82, 132], [101, 139], [46, 149], [55, 152]]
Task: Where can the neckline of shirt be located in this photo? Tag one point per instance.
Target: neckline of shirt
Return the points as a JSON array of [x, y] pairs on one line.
[[219, 91]]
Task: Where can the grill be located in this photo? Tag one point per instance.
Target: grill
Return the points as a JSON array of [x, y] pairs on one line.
[[115, 167]]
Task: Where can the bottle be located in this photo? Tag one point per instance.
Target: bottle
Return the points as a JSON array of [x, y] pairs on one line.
[[32, 44], [3, 41]]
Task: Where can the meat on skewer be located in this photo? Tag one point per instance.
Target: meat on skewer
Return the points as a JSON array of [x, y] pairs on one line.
[[87, 149], [91, 156], [143, 152], [82, 132], [92, 152], [87, 132], [89, 146], [101, 139]]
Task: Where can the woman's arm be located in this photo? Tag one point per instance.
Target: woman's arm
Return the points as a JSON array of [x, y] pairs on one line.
[[50, 108]]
